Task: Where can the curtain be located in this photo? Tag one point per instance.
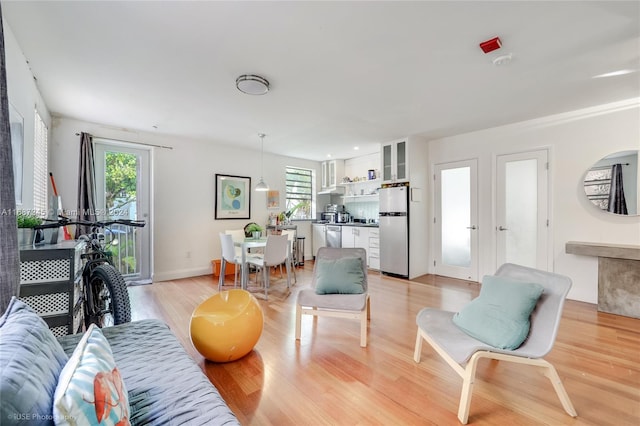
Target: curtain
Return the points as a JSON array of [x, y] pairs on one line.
[[617, 203], [86, 184], [9, 253]]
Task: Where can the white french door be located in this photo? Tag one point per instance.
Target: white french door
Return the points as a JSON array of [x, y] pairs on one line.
[[123, 191], [456, 218], [522, 209]]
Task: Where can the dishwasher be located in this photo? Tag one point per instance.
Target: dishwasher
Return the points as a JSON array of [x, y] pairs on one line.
[[334, 236]]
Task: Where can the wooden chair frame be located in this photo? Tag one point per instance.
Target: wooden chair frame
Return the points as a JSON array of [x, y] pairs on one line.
[[468, 374]]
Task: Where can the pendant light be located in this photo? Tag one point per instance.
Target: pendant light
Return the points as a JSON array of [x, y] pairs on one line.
[[262, 186]]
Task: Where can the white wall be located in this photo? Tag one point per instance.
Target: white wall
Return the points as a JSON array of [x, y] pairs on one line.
[[359, 166], [25, 97], [576, 141], [184, 191]]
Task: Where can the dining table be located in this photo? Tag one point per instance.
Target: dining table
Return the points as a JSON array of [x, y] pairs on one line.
[[261, 242]]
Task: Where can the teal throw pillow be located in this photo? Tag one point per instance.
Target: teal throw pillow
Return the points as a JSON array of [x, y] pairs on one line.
[[499, 316], [339, 276]]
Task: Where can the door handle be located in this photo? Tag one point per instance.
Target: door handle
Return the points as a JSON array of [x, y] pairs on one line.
[[471, 227], [501, 228]]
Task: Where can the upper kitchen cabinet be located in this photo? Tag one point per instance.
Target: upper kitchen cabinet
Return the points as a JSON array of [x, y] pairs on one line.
[[395, 162], [332, 174]]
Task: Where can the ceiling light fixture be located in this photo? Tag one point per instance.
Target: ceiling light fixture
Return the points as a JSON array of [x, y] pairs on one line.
[[252, 84], [262, 186]]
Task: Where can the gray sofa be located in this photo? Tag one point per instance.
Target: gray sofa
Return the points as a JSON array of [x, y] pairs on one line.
[[165, 385]]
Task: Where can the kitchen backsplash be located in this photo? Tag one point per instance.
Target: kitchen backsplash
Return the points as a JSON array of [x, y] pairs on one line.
[[363, 210]]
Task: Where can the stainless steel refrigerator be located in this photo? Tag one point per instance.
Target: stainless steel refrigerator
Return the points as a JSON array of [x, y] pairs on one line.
[[394, 231]]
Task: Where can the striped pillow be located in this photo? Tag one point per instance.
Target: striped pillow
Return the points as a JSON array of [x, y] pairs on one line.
[[90, 389]]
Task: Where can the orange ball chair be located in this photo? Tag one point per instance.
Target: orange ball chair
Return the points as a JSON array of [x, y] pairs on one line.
[[226, 326]]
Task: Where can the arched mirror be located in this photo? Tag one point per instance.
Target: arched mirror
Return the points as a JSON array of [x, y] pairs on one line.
[[613, 183]]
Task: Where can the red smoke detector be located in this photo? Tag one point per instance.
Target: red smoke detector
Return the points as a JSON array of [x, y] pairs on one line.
[[491, 45]]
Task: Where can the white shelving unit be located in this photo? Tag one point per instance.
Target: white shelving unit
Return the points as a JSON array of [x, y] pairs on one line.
[[364, 190]]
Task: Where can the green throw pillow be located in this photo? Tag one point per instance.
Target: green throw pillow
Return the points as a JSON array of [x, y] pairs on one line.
[[339, 276], [499, 316]]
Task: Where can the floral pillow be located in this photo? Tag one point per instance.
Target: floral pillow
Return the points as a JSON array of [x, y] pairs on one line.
[[90, 389]]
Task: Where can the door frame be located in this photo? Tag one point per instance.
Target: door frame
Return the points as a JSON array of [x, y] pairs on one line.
[[104, 144], [472, 272]]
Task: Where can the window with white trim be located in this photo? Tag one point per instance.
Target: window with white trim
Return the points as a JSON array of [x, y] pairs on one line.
[[299, 200], [40, 174]]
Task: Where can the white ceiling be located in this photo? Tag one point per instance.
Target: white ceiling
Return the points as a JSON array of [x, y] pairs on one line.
[[342, 74]]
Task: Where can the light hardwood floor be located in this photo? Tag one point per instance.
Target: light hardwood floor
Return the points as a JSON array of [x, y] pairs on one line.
[[328, 379]]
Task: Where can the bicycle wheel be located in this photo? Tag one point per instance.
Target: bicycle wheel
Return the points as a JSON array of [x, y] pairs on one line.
[[108, 298]]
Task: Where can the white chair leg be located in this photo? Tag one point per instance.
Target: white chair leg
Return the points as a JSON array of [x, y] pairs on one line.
[[265, 280], [221, 272], [298, 321], [235, 275]]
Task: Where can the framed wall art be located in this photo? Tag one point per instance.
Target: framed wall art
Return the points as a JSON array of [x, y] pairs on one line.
[[233, 197], [273, 199]]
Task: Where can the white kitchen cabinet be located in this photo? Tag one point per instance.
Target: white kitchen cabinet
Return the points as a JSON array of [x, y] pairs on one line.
[[374, 249], [332, 173], [395, 161], [355, 236], [361, 237], [318, 237], [348, 240]]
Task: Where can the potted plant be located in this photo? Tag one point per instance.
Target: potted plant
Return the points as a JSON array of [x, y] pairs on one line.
[[254, 230], [301, 205], [26, 223]]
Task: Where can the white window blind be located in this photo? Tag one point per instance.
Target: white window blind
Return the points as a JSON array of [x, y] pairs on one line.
[[40, 175], [299, 192]]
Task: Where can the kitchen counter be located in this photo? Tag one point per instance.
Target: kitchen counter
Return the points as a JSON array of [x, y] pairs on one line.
[[366, 225]]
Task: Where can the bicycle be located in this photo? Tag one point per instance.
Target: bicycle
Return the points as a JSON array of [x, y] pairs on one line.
[[105, 295]]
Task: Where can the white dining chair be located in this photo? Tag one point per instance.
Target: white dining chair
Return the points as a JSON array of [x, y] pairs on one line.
[[229, 256], [276, 252], [238, 237], [291, 237]]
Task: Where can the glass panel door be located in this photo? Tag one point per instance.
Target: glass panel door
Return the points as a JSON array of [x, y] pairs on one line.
[[521, 213], [455, 222], [123, 192]]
